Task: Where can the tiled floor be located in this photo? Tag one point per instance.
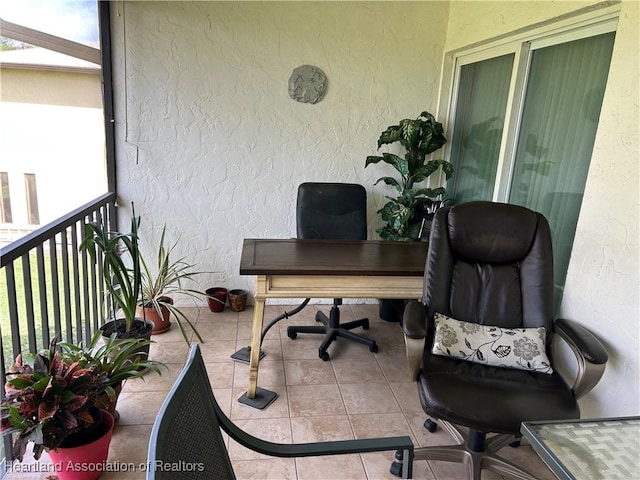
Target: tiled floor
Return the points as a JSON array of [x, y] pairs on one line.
[[357, 394]]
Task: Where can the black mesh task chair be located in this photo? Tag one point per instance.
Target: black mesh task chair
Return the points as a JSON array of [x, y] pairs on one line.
[[187, 444], [332, 211], [490, 264]]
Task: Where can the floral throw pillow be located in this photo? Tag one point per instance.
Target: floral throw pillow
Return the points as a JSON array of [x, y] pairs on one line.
[[521, 348]]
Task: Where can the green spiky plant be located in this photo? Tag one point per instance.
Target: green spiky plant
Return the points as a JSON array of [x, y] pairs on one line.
[[166, 279], [419, 137], [122, 275]]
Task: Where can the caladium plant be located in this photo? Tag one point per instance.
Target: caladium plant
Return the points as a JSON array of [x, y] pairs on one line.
[[419, 138]]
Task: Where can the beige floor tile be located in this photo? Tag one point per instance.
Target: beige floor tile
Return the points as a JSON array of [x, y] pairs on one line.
[[369, 398], [395, 369], [321, 429], [220, 374], [335, 467], [315, 400], [212, 326], [361, 370], [169, 352], [407, 396], [309, 372], [139, 408], [126, 447], [265, 469], [218, 350]]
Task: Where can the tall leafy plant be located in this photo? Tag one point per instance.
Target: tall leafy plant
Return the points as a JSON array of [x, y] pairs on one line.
[[419, 138], [121, 270]]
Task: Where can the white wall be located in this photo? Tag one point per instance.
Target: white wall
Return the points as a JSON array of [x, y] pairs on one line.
[[209, 140], [601, 290]]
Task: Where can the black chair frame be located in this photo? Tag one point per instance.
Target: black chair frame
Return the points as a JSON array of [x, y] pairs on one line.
[[187, 431]]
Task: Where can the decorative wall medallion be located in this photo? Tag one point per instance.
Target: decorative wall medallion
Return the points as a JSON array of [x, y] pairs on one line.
[[307, 84]]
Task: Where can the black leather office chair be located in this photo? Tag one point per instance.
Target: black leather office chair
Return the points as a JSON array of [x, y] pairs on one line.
[[332, 211], [490, 265], [187, 444]]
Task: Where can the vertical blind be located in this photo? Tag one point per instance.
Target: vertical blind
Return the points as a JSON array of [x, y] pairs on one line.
[[478, 125], [559, 119]]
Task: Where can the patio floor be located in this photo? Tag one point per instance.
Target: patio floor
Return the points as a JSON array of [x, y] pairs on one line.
[[357, 394]]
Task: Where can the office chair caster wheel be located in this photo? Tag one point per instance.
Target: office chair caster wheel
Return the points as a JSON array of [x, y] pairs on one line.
[[292, 335], [374, 348], [396, 466], [430, 425], [323, 355], [396, 469], [365, 326], [515, 444]]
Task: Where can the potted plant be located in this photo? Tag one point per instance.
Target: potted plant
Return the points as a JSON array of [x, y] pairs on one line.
[[51, 401], [419, 138], [166, 279], [119, 360], [119, 254]]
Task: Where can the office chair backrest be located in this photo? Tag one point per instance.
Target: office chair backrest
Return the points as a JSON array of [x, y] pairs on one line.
[[187, 433], [490, 263], [332, 211]]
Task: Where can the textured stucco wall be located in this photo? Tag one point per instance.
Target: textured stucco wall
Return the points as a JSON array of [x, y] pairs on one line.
[[209, 140], [477, 20], [603, 279]]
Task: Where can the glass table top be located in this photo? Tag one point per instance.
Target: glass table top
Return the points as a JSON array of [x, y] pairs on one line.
[[607, 448]]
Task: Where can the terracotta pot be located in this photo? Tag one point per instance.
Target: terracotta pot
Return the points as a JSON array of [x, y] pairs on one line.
[[161, 324], [216, 298], [85, 462]]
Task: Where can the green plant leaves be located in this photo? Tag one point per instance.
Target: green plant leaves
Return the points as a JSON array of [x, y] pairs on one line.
[[419, 138]]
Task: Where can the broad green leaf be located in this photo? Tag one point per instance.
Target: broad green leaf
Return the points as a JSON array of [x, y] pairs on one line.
[[390, 135], [390, 181], [410, 133]]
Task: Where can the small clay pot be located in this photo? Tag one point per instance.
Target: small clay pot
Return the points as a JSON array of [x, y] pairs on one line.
[[216, 298], [238, 299]]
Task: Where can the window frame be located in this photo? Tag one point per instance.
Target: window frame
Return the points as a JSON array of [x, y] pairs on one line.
[[521, 44]]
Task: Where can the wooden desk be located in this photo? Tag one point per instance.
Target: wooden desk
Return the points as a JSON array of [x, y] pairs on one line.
[[293, 268]]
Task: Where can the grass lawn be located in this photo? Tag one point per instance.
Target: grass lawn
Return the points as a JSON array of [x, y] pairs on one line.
[[75, 298]]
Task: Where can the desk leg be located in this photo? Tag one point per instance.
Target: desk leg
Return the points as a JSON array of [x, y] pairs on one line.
[[257, 397], [256, 334]]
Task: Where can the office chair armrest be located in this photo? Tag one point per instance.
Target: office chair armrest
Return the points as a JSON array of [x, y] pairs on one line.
[[414, 328], [590, 354], [414, 320]]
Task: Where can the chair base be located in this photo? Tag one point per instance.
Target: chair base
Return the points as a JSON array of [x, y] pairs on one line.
[[476, 451], [332, 329]]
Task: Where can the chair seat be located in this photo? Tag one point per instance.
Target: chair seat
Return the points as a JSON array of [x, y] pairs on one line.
[[492, 399]]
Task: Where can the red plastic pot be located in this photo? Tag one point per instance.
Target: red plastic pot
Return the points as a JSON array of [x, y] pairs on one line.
[[216, 298]]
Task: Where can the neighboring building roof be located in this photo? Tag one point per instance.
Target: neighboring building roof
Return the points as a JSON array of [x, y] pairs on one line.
[[42, 59]]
